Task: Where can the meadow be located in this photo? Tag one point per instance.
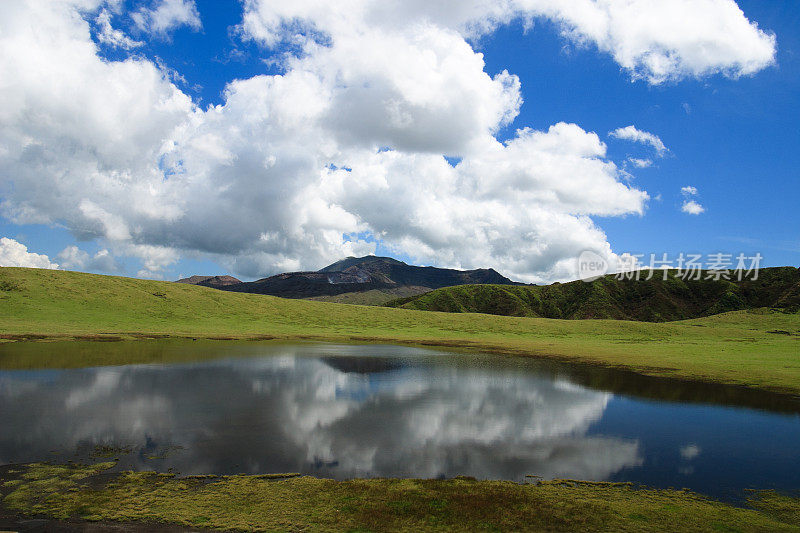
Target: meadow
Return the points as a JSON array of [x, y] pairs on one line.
[[756, 348]]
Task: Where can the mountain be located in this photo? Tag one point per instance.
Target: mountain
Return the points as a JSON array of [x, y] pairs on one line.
[[215, 282], [344, 264], [385, 278], [654, 300]]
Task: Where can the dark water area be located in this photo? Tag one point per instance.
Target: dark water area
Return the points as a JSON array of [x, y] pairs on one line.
[[344, 411]]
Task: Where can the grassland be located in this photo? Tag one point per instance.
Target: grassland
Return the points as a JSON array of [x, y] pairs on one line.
[[759, 348], [372, 297], [267, 503]]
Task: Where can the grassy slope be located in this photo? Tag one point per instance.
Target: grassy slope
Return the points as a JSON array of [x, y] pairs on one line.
[[655, 300], [734, 348], [372, 297], [258, 503]]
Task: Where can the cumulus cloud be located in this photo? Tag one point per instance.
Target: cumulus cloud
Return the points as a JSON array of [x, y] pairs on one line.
[[529, 216], [690, 206], [16, 254], [632, 134], [655, 41], [81, 136], [432, 96], [343, 143], [106, 34], [167, 15], [73, 258], [666, 40]]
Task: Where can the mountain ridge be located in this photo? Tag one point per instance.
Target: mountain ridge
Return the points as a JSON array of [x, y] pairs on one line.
[[654, 300], [357, 275]]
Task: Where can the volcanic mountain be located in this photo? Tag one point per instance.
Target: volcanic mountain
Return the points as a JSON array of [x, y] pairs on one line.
[[383, 277]]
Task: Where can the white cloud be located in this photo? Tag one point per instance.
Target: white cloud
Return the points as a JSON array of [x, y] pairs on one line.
[[112, 37], [82, 135], [691, 207], [665, 40], [656, 41], [632, 134], [343, 142], [433, 96], [155, 258], [522, 205], [167, 15], [73, 258], [15, 254], [640, 163], [272, 22]]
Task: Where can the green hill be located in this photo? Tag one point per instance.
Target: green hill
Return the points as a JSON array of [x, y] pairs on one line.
[[655, 300], [751, 348], [372, 297]]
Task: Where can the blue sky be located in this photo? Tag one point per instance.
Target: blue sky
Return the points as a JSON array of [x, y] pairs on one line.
[[733, 138], [739, 144]]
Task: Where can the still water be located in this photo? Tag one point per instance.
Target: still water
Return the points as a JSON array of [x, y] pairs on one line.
[[344, 411]]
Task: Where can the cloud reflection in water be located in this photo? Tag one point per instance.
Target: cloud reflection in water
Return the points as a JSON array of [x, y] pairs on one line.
[[332, 416]]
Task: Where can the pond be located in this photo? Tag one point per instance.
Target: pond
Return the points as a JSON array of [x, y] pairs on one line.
[[344, 411]]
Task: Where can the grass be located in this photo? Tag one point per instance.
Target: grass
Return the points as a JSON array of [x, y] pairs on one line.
[[740, 348], [653, 300], [258, 503], [371, 297]]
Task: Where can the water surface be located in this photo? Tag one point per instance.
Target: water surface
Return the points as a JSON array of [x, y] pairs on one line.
[[345, 411]]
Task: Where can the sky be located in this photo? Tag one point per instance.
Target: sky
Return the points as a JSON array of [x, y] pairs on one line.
[[165, 138]]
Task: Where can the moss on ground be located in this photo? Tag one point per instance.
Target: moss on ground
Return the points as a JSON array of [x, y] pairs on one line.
[[256, 503]]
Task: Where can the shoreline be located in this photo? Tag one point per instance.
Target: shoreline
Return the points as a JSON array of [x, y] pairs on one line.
[[756, 349], [86, 496], [469, 346]]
